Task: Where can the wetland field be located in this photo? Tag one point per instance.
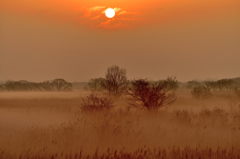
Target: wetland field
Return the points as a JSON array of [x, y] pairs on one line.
[[51, 125]]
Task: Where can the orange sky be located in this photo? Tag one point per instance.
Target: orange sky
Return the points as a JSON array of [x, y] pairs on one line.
[[129, 14], [73, 39]]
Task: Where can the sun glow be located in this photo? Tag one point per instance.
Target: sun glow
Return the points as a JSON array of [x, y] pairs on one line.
[[110, 13]]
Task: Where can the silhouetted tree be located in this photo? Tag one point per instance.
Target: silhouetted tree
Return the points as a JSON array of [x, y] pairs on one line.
[[10, 86], [35, 86], [46, 85], [61, 85], [210, 85], [115, 80], [22, 85], [154, 95], [221, 84], [96, 84]]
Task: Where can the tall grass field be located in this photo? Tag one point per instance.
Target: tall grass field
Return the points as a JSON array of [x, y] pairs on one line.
[[51, 125]]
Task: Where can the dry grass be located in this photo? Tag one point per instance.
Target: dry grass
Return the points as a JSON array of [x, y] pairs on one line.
[[52, 126]]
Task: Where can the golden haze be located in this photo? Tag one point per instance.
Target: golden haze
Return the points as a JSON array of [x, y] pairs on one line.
[[131, 14]]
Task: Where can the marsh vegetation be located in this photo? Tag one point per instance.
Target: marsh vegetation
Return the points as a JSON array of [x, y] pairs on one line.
[[56, 127], [144, 119]]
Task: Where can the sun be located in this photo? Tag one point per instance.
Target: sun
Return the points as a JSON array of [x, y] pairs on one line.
[[110, 13]]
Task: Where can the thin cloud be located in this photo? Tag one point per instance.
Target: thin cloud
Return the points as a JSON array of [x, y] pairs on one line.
[[122, 12], [97, 8], [111, 24], [89, 11], [117, 9], [105, 23], [96, 17], [128, 19]]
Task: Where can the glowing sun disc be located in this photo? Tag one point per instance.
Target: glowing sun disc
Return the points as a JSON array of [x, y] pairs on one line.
[[110, 13]]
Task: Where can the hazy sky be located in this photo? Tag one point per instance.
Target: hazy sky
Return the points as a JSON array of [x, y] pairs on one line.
[[73, 39]]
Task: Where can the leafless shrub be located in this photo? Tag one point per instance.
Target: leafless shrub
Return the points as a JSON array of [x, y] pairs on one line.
[[96, 102], [143, 94], [201, 92]]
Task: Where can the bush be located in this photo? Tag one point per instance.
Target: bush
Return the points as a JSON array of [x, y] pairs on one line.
[[201, 92], [96, 102], [154, 95]]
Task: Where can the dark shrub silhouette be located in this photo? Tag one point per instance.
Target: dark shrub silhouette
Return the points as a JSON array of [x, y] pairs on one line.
[[96, 102], [154, 95]]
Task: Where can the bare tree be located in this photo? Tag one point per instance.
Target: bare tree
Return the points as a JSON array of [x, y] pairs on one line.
[[96, 84], [115, 80], [46, 85], [211, 85], [154, 95], [61, 85], [96, 102]]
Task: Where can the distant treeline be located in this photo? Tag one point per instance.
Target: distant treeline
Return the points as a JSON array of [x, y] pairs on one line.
[[173, 84], [95, 84], [23, 85], [101, 84], [222, 84]]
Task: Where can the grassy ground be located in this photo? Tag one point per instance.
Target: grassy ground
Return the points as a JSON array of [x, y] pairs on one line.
[[51, 125]]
